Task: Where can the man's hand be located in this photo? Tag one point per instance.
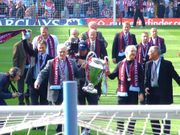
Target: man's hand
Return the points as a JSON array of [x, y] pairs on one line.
[[147, 90], [141, 97], [114, 60], [14, 95], [36, 85]]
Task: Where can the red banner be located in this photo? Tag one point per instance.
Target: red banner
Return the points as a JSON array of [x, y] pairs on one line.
[[148, 21]]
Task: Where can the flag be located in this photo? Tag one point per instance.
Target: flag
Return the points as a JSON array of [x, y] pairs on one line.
[[5, 36]]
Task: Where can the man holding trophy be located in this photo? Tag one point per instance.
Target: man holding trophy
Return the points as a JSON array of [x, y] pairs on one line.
[[99, 49], [130, 78]]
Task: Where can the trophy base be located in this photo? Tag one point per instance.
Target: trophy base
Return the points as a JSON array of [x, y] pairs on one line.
[[89, 89]]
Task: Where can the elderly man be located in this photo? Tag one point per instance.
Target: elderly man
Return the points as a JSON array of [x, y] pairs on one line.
[[96, 46], [52, 41], [143, 48], [158, 84], [56, 71], [93, 25], [130, 83], [121, 40], [157, 41]]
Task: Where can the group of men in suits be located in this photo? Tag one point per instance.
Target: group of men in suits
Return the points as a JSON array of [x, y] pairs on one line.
[[142, 70]]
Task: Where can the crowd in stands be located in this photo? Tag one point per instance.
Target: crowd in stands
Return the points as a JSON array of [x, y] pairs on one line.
[[87, 8]]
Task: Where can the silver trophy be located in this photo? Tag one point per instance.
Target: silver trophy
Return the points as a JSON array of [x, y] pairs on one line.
[[95, 70]]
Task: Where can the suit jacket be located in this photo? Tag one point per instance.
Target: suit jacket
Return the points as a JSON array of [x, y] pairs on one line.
[[85, 36], [4, 92], [34, 60], [103, 51], [46, 73], [166, 74], [115, 47], [19, 56]]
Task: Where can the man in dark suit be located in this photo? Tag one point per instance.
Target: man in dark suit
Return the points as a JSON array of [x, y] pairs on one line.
[[57, 70], [21, 59], [39, 59], [130, 77], [121, 40], [93, 25], [158, 84], [157, 41], [98, 47], [139, 12]]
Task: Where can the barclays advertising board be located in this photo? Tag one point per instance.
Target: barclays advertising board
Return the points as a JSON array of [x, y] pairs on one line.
[[47, 22]]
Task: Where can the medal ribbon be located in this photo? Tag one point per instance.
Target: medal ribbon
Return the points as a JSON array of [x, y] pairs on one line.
[[42, 60], [62, 69], [128, 72], [145, 50]]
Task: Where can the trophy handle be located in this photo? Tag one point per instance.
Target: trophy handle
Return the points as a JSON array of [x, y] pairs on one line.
[[90, 54]]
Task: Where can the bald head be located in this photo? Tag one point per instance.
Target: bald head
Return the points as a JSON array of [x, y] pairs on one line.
[[74, 32], [153, 32], [62, 51], [92, 34], [92, 25]]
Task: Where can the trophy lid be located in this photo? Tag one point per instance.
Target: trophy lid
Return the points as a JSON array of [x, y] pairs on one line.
[[97, 63]]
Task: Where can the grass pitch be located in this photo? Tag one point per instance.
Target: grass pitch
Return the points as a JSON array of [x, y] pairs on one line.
[[169, 33]]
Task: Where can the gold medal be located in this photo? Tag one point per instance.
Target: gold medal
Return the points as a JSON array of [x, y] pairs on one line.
[[129, 79], [144, 59]]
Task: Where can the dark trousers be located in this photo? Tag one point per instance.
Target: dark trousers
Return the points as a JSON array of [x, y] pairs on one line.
[[139, 14], [39, 97], [155, 124], [131, 99], [58, 102], [20, 85]]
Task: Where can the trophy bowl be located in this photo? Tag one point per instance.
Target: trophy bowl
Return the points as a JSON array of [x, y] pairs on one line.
[[94, 73]]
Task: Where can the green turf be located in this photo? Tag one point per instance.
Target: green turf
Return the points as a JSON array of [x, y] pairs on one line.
[[169, 33]]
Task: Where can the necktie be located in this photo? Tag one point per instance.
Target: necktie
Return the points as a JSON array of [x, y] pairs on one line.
[[92, 47], [41, 60]]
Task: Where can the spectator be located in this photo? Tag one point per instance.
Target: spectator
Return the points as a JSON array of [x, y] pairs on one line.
[[3, 8], [106, 13], [93, 25], [145, 8], [21, 59], [124, 8], [52, 41], [76, 8], [161, 9], [95, 6], [170, 10], [31, 11], [121, 41], [130, 83], [56, 71], [11, 8], [6, 81], [69, 4], [158, 85], [41, 7], [50, 7], [20, 10], [175, 8], [130, 11], [150, 9], [46, 14], [59, 7], [90, 12]]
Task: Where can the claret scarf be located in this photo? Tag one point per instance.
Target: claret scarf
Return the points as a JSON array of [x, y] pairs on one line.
[[121, 45], [55, 76], [142, 52], [133, 74], [97, 47], [51, 44], [5, 36], [158, 41]]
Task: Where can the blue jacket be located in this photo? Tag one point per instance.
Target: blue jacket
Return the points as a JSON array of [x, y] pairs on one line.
[[4, 91]]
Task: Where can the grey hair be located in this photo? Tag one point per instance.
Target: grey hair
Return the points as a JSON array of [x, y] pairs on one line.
[[60, 46], [74, 29], [156, 49], [128, 48]]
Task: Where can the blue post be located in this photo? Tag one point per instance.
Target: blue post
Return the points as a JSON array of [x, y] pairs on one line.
[[70, 107]]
